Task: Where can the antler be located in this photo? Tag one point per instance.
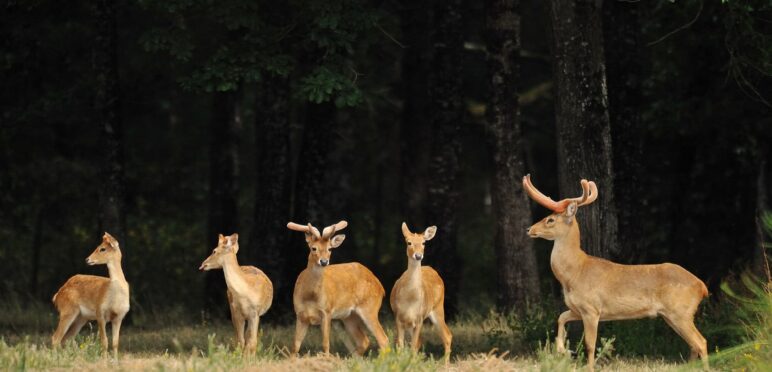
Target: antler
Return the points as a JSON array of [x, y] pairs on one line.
[[589, 194], [308, 229], [329, 231]]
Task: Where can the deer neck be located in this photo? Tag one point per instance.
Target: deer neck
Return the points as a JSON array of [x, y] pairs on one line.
[[414, 276], [567, 256], [234, 277], [115, 271]]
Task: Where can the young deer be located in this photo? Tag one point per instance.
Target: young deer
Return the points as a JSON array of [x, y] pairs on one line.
[[323, 292], [595, 289], [88, 297], [419, 294], [250, 292]]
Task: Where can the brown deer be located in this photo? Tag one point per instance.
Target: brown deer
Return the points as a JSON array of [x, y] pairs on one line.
[[419, 294], [595, 289], [323, 292], [88, 297], [250, 292]]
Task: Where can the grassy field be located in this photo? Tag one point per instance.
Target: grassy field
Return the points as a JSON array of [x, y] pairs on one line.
[[176, 340], [204, 347]]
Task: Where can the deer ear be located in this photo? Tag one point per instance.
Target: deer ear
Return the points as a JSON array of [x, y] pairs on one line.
[[220, 238], [570, 211], [234, 238], [429, 233], [337, 240], [405, 230]]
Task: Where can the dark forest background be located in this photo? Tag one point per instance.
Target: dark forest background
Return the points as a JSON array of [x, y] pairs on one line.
[[168, 122]]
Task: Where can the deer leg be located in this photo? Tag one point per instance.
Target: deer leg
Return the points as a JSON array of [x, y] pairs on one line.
[[238, 325], [370, 318], [75, 328], [353, 326], [102, 322], [590, 336], [560, 339], [301, 328], [686, 329], [116, 325], [254, 324], [326, 323], [65, 320], [416, 339], [400, 334], [438, 319]]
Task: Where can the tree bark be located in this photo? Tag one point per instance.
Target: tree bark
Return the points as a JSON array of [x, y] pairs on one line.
[[518, 277], [582, 119], [447, 114], [272, 189], [415, 141], [622, 37], [224, 129], [111, 183]]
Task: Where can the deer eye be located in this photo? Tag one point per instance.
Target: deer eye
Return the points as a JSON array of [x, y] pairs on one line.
[[409, 243], [550, 220], [102, 249], [313, 249]]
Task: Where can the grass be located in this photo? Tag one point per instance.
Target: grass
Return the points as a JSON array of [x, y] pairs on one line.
[[205, 346]]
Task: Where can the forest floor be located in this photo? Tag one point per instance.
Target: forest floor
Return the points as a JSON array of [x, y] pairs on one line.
[[207, 347]]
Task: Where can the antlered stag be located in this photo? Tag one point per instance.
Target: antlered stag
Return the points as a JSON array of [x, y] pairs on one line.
[[595, 289], [323, 292]]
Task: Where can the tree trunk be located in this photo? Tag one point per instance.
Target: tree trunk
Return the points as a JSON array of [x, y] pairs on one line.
[[518, 277], [622, 34], [224, 127], [311, 191], [447, 114], [272, 189], [415, 141], [582, 120], [111, 183], [760, 262]]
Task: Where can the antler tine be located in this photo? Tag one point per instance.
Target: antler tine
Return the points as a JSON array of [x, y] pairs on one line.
[[592, 194], [297, 227], [329, 231], [314, 231], [542, 199], [585, 193]]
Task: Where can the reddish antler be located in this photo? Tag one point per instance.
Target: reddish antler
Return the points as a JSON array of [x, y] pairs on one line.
[[589, 194]]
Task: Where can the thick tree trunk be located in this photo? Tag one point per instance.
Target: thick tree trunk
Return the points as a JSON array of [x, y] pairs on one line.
[[415, 141], [447, 114], [272, 190], [581, 110], [111, 182], [225, 127], [622, 36], [517, 274]]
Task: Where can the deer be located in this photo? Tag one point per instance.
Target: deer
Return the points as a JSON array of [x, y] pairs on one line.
[[419, 294], [250, 292], [595, 289], [88, 297], [349, 292]]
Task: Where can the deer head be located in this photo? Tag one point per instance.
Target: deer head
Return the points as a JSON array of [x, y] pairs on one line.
[[105, 252], [225, 246], [320, 245], [415, 241], [558, 223]]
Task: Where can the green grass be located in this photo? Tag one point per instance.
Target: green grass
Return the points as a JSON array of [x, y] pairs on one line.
[[165, 342]]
